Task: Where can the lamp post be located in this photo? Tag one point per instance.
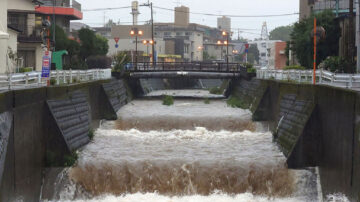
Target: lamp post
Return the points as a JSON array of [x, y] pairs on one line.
[[225, 43], [136, 32], [147, 43]]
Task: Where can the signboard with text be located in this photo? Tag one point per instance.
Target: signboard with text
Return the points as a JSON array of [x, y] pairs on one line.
[[46, 65]]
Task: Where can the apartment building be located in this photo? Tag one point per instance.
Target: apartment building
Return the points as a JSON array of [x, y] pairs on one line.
[[64, 10], [21, 23]]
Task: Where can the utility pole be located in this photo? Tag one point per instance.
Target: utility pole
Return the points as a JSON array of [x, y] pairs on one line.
[[351, 31], [358, 37], [54, 25], [152, 31]]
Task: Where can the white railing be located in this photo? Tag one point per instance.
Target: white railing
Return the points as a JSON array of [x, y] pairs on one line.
[[59, 77], [306, 76]]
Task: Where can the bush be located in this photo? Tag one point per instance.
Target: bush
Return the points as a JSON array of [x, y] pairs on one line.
[[91, 134], [120, 59], [168, 100], [251, 70], [52, 81], [207, 101], [98, 62], [76, 64], [249, 65], [25, 69], [216, 91], [337, 64], [70, 160], [236, 102], [295, 67]]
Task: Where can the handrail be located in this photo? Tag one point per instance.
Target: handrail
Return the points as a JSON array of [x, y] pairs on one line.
[[34, 79], [306, 76]]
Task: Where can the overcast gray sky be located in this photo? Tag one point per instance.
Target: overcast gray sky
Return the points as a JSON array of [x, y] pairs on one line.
[[250, 27]]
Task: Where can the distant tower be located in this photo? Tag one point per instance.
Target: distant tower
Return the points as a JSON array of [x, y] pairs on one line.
[[224, 24], [264, 32], [135, 11], [182, 16]]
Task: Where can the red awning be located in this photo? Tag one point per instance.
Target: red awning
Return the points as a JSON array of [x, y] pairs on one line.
[[49, 10]]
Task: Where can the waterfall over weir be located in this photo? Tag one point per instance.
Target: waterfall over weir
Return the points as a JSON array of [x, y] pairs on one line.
[[186, 152]]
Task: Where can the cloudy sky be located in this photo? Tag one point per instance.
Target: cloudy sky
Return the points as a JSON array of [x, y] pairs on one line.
[[249, 27]]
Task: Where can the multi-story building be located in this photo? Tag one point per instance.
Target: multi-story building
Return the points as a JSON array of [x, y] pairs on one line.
[[21, 17], [224, 24], [64, 10], [178, 41]]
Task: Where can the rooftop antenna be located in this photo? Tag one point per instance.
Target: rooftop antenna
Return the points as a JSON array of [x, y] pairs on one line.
[[264, 32]]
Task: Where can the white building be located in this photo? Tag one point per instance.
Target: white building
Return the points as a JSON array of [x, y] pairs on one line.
[[264, 47], [224, 24]]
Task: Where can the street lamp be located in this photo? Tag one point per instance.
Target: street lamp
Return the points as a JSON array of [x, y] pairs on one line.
[[136, 32], [225, 43], [147, 43]]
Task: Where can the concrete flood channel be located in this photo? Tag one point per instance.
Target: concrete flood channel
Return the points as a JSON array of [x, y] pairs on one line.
[[189, 151], [192, 150]]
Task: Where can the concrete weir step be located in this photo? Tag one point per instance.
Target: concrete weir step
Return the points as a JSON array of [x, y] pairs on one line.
[[116, 93], [6, 122], [72, 117]]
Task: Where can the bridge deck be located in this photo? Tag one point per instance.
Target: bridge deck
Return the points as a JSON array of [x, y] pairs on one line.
[[194, 69]]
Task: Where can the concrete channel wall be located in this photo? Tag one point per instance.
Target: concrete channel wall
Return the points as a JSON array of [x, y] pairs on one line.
[[313, 126], [35, 122]]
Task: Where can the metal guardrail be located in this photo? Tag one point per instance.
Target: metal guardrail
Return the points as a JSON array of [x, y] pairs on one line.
[[306, 76], [34, 79], [186, 66]]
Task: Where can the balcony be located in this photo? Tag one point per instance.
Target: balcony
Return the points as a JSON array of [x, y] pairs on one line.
[[61, 8], [27, 33], [331, 4]]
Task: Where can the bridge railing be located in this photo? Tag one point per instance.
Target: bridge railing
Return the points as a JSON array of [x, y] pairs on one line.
[[34, 79], [306, 76], [185, 66]]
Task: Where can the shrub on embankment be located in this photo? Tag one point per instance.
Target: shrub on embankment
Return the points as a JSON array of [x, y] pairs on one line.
[[168, 100], [236, 102]]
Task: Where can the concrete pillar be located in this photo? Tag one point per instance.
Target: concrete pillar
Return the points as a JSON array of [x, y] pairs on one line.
[[4, 36]]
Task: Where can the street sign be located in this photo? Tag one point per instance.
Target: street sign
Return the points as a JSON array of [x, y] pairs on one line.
[[117, 39], [116, 45], [247, 46], [46, 64]]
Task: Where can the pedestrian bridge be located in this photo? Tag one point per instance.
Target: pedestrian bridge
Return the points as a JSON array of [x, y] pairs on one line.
[[188, 69]]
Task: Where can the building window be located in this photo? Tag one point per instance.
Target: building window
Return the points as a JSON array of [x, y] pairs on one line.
[[167, 33], [188, 33], [263, 54], [263, 45], [178, 33]]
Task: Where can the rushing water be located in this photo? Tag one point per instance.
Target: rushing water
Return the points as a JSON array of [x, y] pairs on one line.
[[189, 152]]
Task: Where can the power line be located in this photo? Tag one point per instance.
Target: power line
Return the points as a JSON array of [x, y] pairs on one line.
[[106, 9], [233, 16]]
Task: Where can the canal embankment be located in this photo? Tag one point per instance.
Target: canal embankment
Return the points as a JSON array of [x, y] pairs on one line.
[[313, 126]]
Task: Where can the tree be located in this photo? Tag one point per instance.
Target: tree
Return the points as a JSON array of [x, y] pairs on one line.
[[92, 44], [281, 33], [101, 44], [302, 42], [206, 56]]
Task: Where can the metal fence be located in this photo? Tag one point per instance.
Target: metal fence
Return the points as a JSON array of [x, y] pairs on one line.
[[59, 77], [306, 76]]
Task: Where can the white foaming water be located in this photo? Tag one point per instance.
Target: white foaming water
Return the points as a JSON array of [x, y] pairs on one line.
[[153, 197], [194, 165]]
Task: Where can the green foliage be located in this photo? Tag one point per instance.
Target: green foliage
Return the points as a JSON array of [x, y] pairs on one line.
[[337, 64], [281, 33], [207, 101], [25, 69], [70, 160], [168, 100], [98, 62], [216, 90], [302, 43], [236, 102], [119, 60], [50, 159], [52, 81], [92, 44], [91, 134], [296, 67], [251, 70], [101, 44]]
